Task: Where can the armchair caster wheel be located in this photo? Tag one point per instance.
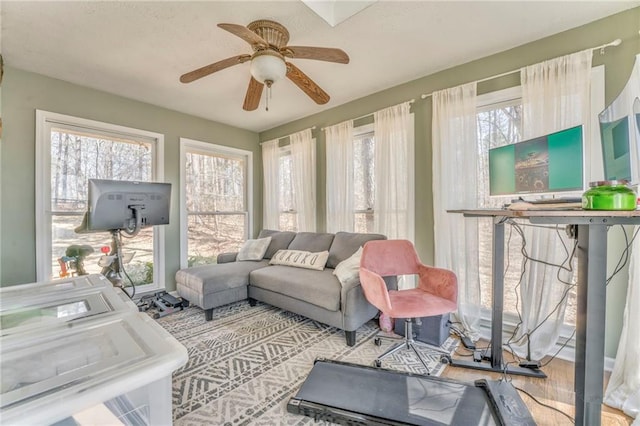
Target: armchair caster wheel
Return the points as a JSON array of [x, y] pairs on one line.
[[377, 363], [377, 341], [445, 359]]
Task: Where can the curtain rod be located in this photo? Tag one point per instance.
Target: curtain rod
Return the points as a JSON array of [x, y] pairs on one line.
[[286, 136], [363, 116], [614, 43]]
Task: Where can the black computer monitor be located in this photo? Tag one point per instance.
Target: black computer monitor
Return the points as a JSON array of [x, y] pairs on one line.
[[125, 205]]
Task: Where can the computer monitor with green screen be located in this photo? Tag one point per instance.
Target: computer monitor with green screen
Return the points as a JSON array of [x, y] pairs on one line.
[[548, 164]]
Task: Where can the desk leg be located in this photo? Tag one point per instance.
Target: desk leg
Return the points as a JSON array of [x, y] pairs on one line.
[[590, 323], [498, 294], [497, 305]]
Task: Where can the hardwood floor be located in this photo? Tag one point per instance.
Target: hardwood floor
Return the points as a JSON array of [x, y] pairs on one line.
[[556, 390]]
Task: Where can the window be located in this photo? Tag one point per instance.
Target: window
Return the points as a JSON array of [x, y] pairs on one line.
[[214, 200], [70, 151], [362, 211], [288, 214], [500, 123], [363, 179]]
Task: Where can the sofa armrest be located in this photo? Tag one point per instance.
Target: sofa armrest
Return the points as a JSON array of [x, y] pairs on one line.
[[227, 257]]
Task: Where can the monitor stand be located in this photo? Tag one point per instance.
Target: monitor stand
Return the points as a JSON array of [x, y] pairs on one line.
[[112, 262]]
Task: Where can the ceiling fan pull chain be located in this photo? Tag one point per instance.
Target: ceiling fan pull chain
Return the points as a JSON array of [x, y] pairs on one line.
[[268, 96]]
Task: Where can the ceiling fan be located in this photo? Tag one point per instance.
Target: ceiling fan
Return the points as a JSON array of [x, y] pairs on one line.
[[269, 39]]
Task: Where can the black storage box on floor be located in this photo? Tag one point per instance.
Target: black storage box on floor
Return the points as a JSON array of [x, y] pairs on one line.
[[431, 330]]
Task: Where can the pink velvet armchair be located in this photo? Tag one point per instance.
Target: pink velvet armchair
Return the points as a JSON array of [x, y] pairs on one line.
[[436, 292]]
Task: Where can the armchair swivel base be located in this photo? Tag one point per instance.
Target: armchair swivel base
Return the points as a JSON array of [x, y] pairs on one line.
[[408, 343]]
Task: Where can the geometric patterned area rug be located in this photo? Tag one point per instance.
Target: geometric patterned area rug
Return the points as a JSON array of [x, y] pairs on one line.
[[247, 362]]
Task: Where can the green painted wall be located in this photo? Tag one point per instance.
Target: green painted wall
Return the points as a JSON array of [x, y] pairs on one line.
[[24, 92], [618, 63]]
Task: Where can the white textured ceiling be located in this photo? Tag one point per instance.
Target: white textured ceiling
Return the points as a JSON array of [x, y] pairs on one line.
[[140, 49]]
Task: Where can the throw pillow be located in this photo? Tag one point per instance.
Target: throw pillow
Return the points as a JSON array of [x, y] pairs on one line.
[[254, 249], [300, 259], [348, 271]]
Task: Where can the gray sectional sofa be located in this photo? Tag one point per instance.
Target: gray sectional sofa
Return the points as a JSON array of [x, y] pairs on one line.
[[316, 294]]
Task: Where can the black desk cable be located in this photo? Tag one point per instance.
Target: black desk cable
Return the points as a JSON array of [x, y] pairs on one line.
[[625, 253], [571, 419], [566, 265], [623, 260]]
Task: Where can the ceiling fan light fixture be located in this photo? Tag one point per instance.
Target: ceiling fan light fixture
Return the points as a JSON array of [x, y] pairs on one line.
[[268, 66], [269, 41]]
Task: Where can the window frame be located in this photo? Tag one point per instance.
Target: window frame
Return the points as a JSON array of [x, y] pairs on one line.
[[206, 148], [45, 120]]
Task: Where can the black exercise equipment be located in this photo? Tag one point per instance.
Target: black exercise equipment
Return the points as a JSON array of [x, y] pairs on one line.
[[352, 394]]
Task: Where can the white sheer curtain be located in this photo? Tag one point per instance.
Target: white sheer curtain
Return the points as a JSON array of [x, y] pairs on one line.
[[303, 163], [623, 390], [394, 184], [455, 162], [340, 205], [555, 95], [270, 202]]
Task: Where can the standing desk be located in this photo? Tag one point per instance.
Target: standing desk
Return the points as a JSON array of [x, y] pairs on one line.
[[591, 227]]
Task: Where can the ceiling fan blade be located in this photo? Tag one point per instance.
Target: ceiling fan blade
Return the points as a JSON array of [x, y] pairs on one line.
[[210, 69], [306, 84], [245, 33], [252, 98], [328, 54]]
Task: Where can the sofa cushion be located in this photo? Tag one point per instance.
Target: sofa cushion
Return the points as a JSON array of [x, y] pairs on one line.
[[254, 249], [346, 243], [320, 288], [348, 271], [311, 241], [300, 259], [217, 277], [279, 240]]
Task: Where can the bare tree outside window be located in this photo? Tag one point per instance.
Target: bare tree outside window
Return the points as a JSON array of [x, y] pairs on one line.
[[364, 182], [288, 208], [216, 205]]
